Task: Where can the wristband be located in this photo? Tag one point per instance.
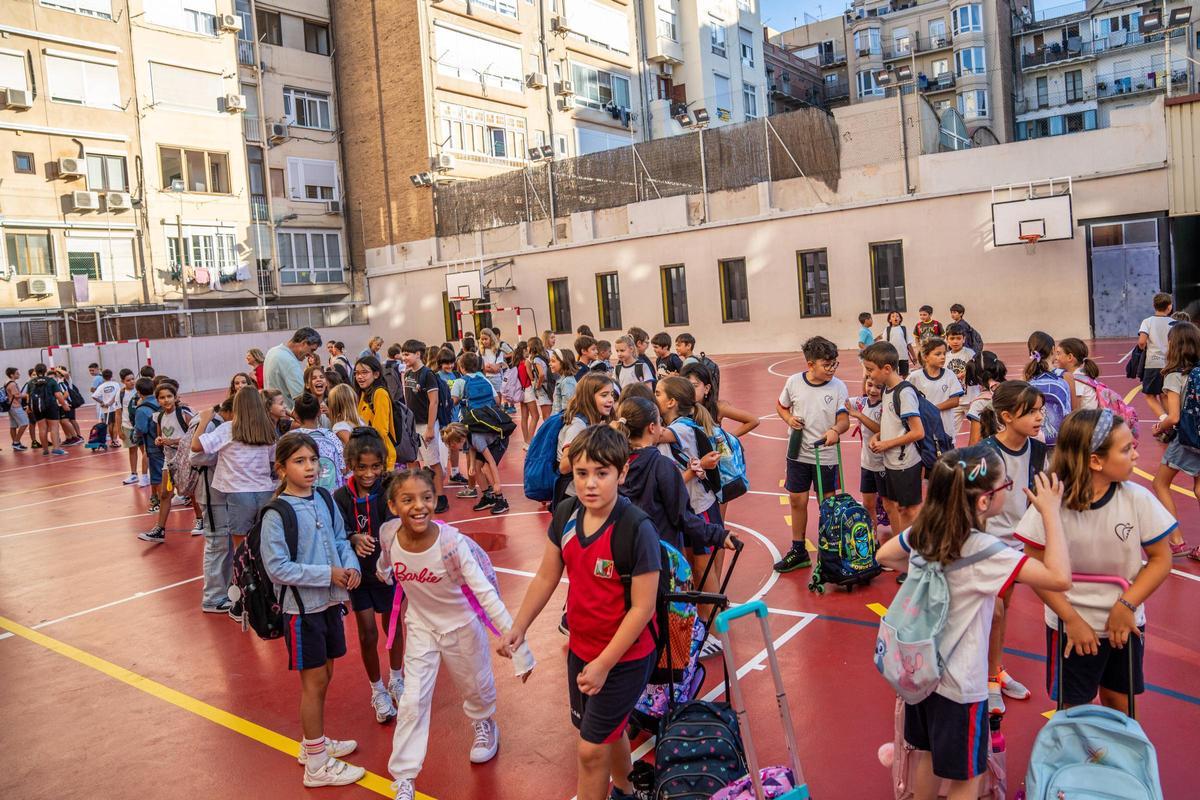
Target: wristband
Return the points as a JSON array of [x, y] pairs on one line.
[[1127, 604]]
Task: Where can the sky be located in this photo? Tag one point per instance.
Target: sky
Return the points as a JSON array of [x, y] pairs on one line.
[[783, 15]]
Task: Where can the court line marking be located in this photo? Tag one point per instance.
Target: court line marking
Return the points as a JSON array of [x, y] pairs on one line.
[[56, 485], [771, 367], [251, 730], [48, 460], [136, 596], [56, 499], [174, 510]]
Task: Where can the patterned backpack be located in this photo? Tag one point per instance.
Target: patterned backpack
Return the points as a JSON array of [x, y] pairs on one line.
[[845, 540], [1057, 406], [1108, 398], [1189, 411]]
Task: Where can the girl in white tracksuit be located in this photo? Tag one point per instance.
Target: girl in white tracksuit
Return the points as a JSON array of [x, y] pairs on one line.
[[422, 557]]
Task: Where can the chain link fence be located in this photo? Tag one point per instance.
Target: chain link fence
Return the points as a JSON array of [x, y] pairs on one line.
[[802, 143]]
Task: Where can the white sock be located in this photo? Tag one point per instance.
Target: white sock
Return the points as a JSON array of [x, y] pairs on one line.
[[378, 686], [315, 753]]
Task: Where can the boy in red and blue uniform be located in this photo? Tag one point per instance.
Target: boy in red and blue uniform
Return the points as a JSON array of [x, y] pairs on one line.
[[611, 650]]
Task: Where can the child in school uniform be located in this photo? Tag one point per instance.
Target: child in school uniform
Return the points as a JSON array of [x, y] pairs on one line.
[[316, 581], [958, 358], [1108, 522], [899, 430], [1183, 354], [611, 650], [867, 411], [1152, 337], [939, 385], [966, 487], [591, 404], [1071, 358]]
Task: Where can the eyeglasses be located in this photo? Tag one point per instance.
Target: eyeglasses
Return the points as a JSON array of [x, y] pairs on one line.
[[830, 365], [1004, 487]]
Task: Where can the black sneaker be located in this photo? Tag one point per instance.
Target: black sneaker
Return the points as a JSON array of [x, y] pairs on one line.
[[794, 559], [156, 536], [443, 505], [562, 625], [487, 501], [902, 577], [499, 506], [458, 478]]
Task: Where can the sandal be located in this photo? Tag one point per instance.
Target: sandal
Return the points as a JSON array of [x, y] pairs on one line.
[[1194, 555], [1179, 550]]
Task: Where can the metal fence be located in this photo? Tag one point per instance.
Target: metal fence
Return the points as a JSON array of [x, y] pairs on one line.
[[802, 143], [99, 325]]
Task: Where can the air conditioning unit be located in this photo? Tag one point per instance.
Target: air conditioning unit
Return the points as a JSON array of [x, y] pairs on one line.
[[563, 88], [72, 167], [17, 98], [235, 103], [566, 103], [442, 162], [333, 207], [84, 201], [231, 23], [277, 132], [535, 80], [39, 286], [117, 201], [558, 25]]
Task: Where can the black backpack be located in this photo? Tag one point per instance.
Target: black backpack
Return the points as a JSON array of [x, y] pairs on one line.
[[936, 442], [392, 379], [404, 428], [41, 395], [260, 600], [699, 751], [5, 403], [74, 396], [445, 408], [714, 372]]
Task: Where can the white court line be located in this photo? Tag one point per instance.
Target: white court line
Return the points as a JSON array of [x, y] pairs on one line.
[[57, 499], [771, 367], [86, 522], [46, 461], [745, 361], [136, 596]]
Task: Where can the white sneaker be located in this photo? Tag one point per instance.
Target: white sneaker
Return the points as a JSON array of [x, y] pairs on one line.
[[712, 646], [334, 773], [131, 480], [178, 501], [385, 708], [198, 527], [487, 741], [395, 688], [335, 747], [144, 481], [405, 789]]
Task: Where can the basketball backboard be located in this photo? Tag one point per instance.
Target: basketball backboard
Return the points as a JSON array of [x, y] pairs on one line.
[[464, 285], [1025, 209]]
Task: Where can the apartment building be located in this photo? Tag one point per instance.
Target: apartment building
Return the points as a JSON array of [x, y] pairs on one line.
[[957, 50], [298, 233], [1080, 60], [792, 82], [823, 44]]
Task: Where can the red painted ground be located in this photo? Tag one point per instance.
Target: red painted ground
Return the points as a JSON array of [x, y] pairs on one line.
[[65, 715]]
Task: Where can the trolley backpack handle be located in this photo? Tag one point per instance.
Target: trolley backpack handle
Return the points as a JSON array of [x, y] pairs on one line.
[[1084, 577], [841, 470]]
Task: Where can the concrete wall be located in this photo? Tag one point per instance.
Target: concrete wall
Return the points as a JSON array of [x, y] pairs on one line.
[[199, 363]]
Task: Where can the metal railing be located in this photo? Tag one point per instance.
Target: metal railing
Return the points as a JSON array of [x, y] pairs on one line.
[[1150, 81], [1030, 103], [832, 59], [1056, 53], [906, 47], [258, 208], [246, 53], [250, 128], [941, 83], [838, 90]]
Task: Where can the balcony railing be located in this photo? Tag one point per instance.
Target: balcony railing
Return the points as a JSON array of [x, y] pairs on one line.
[[246, 53], [266, 279], [1151, 81], [1029, 104], [1055, 53], [904, 48], [250, 128], [837, 91], [941, 83], [832, 59], [258, 208]]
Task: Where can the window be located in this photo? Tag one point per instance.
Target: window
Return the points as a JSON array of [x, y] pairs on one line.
[[106, 173], [481, 134], [969, 60], [746, 46], [90, 8], [1056, 126], [723, 95], [23, 163], [750, 100], [506, 7], [185, 89], [29, 253], [306, 109], [608, 299], [598, 24], [268, 24], [194, 16], [902, 43], [101, 258], [717, 36], [1043, 92], [477, 59], [941, 66], [204, 246], [83, 81], [968, 18], [813, 267], [1074, 84], [887, 277], [13, 71], [735, 295], [311, 179], [316, 38], [937, 32], [1117, 234], [205, 172], [597, 88], [83, 263], [674, 295], [591, 140], [973, 103], [277, 183], [664, 14], [309, 257], [866, 84], [867, 41], [560, 305]]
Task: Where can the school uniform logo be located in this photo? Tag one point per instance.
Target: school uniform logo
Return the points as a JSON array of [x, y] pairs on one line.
[[1123, 530], [604, 568], [828, 399]]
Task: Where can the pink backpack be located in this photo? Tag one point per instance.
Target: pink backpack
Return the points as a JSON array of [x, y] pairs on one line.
[[1108, 398], [903, 764], [448, 539]]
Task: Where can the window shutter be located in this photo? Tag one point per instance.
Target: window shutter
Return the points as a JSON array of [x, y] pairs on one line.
[[65, 78], [12, 71], [295, 179]]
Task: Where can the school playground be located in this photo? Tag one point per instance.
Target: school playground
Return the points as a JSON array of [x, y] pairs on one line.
[[115, 685]]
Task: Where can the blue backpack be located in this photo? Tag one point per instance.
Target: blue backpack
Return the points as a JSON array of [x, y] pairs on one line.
[[1092, 751], [1057, 405], [541, 460], [936, 441], [1189, 410], [845, 540], [478, 392], [735, 482], [445, 408]]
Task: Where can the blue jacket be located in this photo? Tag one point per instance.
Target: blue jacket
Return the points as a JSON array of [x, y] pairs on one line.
[[318, 550], [143, 421], [654, 484]]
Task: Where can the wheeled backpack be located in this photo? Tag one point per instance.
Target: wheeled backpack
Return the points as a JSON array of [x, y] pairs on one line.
[[699, 752], [845, 539]]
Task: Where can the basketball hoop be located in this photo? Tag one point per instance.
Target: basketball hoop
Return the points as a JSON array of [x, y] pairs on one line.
[[1030, 240]]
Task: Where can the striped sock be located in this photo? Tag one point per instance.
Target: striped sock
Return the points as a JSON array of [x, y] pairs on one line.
[[315, 753]]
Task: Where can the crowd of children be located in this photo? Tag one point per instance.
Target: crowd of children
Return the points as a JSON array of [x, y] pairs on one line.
[[344, 480]]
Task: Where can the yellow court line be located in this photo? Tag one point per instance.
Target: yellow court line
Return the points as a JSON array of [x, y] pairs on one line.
[[56, 485], [376, 783], [1142, 473], [1049, 714], [809, 546], [1132, 394], [783, 501], [878, 608]]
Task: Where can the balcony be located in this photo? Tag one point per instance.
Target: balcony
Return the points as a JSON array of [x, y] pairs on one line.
[[906, 47], [832, 59], [1130, 39], [250, 128], [258, 208], [1056, 53], [1110, 86], [839, 90], [266, 279], [941, 83], [1061, 100], [246, 53]]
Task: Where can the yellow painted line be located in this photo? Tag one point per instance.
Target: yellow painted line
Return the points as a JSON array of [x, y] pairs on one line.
[[68, 483], [1132, 393], [809, 546], [376, 783], [783, 501], [788, 519], [1143, 474], [878, 608], [781, 483], [1050, 714]]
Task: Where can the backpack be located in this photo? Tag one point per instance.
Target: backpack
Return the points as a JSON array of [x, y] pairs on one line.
[[445, 406], [541, 460], [261, 600], [735, 481], [972, 340], [183, 426], [5, 402], [1092, 751], [478, 391], [510, 387], [74, 396], [1189, 410], [185, 472], [331, 459], [448, 541], [639, 370], [936, 441], [704, 446], [845, 541], [1057, 396], [41, 396], [714, 372], [1108, 398], [699, 752], [489, 420], [403, 436], [906, 651]]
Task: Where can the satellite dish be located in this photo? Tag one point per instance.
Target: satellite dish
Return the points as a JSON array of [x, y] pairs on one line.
[[952, 131]]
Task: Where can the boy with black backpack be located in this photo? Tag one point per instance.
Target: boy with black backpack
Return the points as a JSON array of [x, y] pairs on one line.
[[144, 434], [47, 402], [900, 428], [610, 552], [167, 427], [422, 394]]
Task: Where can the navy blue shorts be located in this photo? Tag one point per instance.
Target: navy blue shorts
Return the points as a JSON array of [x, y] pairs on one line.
[[1084, 676], [155, 457], [801, 477], [1152, 381], [313, 639], [870, 482], [712, 515], [601, 718], [373, 596], [956, 734]]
